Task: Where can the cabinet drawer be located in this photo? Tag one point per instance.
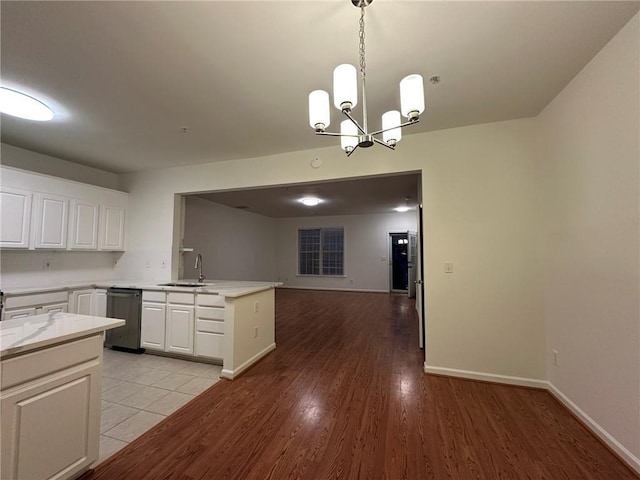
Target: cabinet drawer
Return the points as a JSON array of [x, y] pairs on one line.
[[212, 313], [36, 299], [152, 296], [180, 297], [43, 362], [211, 326], [209, 345], [208, 300]]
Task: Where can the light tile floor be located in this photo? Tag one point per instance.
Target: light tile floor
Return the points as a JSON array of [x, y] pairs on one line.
[[138, 391]]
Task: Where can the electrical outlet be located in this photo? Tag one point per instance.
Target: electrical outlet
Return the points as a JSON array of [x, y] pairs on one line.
[[255, 332], [256, 307], [351, 281], [147, 264], [448, 267], [555, 358]]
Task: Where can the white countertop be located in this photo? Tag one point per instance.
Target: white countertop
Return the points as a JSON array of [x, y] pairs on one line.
[[22, 335], [225, 288]]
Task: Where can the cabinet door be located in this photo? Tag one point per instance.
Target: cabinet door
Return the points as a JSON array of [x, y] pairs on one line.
[[56, 308], [112, 231], [83, 225], [19, 313], [99, 303], [51, 428], [152, 328], [209, 344], [180, 320], [82, 302], [51, 221], [15, 218]]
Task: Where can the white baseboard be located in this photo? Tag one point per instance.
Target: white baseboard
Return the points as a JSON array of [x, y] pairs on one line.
[[487, 377], [231, 374], [361, 290], [623, 453]]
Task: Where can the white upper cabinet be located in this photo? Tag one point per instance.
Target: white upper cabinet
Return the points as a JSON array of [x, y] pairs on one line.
[[43, 212], [112, 231], [15, 217], [83, 225], [51, 221]]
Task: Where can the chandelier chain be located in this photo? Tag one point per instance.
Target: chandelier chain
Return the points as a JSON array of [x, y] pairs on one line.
[[363, 65]]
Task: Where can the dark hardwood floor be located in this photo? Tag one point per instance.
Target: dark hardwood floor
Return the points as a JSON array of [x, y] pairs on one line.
[[344, 396]]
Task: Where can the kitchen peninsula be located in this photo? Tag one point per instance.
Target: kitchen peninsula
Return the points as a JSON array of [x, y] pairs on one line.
[[220, 321], [51, 376]]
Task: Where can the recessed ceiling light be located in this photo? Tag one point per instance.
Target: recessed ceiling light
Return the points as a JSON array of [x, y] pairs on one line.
[[23, 106], [310, 201], [402, 209]]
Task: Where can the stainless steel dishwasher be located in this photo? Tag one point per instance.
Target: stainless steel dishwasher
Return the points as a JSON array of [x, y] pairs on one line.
[[124, 303]]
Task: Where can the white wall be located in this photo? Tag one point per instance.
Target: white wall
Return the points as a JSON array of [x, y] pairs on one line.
[[36, 162], [235, 245], [589, 175], [479, 193], [366, 249], [26, 269]]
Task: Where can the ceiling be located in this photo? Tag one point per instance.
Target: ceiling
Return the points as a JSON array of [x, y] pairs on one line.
[[124, 78], [361, 196]]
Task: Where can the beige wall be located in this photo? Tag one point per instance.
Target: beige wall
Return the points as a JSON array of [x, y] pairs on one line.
[[480, 212], [589, 177]]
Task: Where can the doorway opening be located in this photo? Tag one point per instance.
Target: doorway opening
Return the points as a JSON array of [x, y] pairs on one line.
[[399, 265]]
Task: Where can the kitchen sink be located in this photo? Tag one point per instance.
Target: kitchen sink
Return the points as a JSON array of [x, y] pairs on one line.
[[183, 284]]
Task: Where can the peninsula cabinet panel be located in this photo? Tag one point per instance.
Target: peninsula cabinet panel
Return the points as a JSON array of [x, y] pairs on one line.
[[15, 217], [51, 221], [50, 428], [112, 231], [83, 232]]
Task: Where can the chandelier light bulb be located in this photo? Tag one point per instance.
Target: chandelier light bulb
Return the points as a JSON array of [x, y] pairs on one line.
[[345, 87], [319, 116], [412, 96], [391, 120], [21, 105], [349, 138]]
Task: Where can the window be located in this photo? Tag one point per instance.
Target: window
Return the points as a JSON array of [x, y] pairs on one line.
[[321, 251]]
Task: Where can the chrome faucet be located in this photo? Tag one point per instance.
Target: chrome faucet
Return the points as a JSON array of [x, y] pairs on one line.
[[198, 265]]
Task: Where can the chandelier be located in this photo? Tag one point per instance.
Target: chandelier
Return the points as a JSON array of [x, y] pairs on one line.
[[345, 98]]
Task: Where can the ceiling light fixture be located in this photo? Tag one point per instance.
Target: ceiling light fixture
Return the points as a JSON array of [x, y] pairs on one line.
[[21, 105], [402, 209], [345, 98], [310, 201]]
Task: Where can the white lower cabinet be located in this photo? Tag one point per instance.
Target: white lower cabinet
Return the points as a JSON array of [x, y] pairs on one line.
[[19, 313], [21, 306], [81, 301], [180, 329], [50, 405], [56, 308], [99, 302], [152, 330], [209, 332], [184, 323]]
